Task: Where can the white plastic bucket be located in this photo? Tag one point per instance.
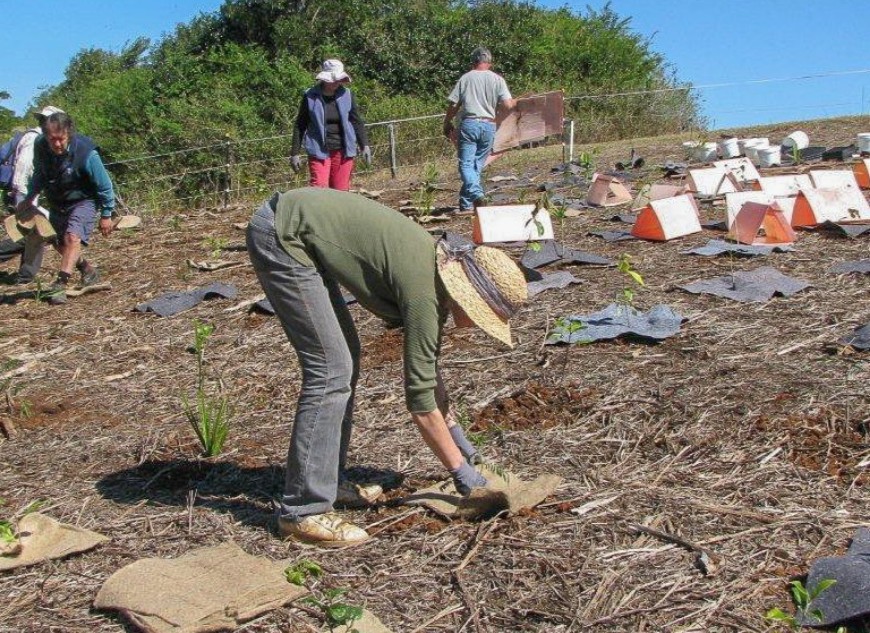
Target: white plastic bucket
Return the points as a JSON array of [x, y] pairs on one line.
[[768, 156], [705, 152], [796, 139], [689, 148], [864, 143], [729, 148], [751, 147]]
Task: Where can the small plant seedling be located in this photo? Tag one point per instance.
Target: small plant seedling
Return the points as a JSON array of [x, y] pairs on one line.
[[215, 245], [300, 572], [424, 197], [7, 532], [626, 296], [542, 203], [802, 599], [209, 416], [175, 222], [339, 615]]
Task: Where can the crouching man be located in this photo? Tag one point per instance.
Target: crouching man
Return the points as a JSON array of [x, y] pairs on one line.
[[74, 183], [304, 244]]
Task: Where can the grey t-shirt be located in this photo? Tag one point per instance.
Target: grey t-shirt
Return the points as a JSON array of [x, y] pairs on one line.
[[479, 92]]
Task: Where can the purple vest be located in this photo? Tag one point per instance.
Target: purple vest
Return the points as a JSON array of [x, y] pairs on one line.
[[315, 135]]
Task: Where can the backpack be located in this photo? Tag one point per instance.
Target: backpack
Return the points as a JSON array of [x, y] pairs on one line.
[[7, 160]]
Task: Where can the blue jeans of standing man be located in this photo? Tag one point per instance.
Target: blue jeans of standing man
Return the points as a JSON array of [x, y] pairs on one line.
[[315, 318], [475, 140]]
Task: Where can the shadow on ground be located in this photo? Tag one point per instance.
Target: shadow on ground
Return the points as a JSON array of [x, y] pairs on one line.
[[246, 493]]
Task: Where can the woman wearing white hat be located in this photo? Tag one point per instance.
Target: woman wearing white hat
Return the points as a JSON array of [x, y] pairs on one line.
[[331, 130]]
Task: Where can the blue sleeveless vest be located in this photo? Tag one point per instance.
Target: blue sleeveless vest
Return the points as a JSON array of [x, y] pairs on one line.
[[315, 135], [66, 180]]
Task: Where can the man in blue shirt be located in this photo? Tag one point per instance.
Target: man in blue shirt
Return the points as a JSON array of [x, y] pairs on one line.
[[70, 175]]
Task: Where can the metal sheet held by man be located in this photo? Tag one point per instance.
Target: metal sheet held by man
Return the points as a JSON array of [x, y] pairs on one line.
[[534, 118]]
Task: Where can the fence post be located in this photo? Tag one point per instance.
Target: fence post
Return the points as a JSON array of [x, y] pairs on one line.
[[227, 173], [571, 140], [393, 165]]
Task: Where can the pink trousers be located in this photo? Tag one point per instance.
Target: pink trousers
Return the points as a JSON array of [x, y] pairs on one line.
[[333, 172]]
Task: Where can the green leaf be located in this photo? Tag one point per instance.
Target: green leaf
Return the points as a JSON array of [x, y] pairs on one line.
[[341, 613], [778, 615], [7, 532], [534, 246], [823, 585], [800, 595], [636, 276]]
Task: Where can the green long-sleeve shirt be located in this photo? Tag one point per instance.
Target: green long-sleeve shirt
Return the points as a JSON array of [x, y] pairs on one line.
[[385, 259]]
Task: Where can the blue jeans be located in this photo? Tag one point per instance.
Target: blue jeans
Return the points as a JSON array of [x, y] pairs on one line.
[[315, 318], [475, 143]]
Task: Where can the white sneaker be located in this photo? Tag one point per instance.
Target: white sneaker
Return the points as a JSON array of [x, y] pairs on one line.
[[326, 530], [351, 495]]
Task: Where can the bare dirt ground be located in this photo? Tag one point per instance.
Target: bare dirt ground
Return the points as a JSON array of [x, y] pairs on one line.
[[746, 435]]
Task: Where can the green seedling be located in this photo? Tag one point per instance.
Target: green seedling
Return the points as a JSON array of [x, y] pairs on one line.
[[803, 598], [175, 222], [215, 245], [339, 615], [542, 203], [209, 416], [424, 197], [300, 572], [7, 532], [625, 297]]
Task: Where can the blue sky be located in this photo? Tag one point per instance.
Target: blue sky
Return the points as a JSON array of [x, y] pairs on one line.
[[706, 42]]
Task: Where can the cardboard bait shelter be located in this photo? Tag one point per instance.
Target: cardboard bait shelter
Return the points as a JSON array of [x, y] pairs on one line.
[[713, 181], [815, 206], [861, 169], [761, 223], [511, 223], [666, 219], [607, 191], [784, 185]]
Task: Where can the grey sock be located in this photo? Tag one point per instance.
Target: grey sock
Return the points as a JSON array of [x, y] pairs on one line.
[[465, 447], [466, 477]]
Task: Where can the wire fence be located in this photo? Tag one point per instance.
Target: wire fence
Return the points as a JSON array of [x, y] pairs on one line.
[[222, 173]]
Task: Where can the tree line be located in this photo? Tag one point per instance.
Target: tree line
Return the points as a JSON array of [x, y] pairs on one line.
[[239, 72]]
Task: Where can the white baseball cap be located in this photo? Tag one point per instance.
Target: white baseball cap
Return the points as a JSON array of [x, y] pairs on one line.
[[47, 111]]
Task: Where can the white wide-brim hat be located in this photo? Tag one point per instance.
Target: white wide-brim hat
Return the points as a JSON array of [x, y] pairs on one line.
[[332, 70]]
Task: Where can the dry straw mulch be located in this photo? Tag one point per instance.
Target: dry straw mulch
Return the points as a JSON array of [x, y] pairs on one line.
[[700, 473]]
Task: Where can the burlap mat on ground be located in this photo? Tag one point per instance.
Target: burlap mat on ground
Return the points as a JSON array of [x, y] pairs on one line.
[[368, 623], [504, 491], [43, 538], [209, 589]]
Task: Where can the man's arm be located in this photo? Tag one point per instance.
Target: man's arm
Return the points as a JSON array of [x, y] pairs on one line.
[[96, 171], [452, 110]]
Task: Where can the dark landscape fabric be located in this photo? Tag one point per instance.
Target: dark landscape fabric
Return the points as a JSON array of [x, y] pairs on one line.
[[859, 339], [552, 252], [860, 266], [849, 596], [626, 218], [846, 230], [560, 279], [754, 286], [9, 249], [714, 225], [720, 247], [613, 236], [175, 302], [617, 320]]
